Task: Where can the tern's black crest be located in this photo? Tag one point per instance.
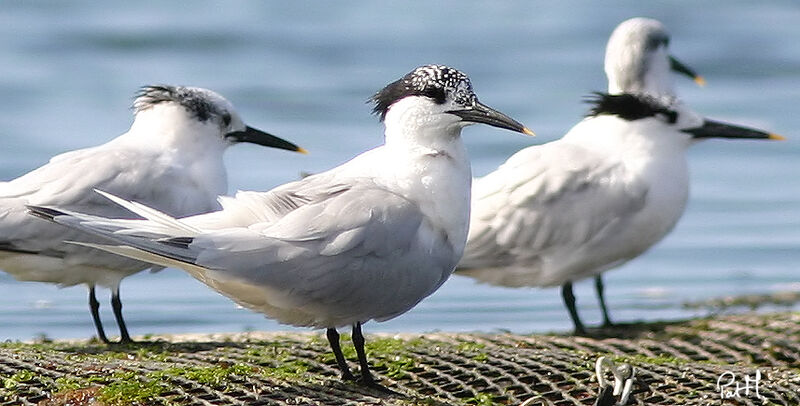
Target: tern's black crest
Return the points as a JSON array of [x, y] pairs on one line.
[[628, 106], [434, 81], [194, 100]]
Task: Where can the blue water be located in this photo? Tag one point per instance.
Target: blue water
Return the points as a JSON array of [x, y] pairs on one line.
[[303, 70]]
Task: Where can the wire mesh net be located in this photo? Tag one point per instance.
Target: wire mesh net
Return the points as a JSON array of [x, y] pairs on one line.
[[679, 363]]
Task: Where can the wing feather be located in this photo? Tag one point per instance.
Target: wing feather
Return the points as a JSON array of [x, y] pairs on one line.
[[67, 181], [544, 202]]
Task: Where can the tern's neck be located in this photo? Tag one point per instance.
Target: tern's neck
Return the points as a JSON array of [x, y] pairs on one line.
[[629, 140], [426, 141], [430, 166], [636, 73], [652, 85]]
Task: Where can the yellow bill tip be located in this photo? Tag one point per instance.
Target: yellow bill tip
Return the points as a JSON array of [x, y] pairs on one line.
[[701, 81], [528, 131], [776, 137], [302, 150]]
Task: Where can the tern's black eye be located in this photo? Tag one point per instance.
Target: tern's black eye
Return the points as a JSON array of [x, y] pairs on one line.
[[655, 41], [436, 93], [670, 115], [226, 119]]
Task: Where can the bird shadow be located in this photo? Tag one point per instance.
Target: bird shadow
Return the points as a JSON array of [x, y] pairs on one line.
[[639, 329]]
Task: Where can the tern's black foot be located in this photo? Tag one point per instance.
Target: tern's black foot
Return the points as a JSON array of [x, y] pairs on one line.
[[579, 330], [371, 384], [366, 377], [102, 339], [124, 337], [348, 377]]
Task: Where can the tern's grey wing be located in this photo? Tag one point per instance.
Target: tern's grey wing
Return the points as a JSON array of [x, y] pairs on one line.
[[246, 207], [360, 253], [349, 251], [551, 199], [68, 181]]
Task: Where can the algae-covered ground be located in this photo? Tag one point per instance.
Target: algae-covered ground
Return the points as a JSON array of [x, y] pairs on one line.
[[676, 363]]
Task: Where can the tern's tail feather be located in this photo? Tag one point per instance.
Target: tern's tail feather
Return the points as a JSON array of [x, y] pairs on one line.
[[158, 235], [136, 253], [165, 220]]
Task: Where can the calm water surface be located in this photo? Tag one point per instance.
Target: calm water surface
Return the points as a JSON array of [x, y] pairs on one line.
[[303, 71]]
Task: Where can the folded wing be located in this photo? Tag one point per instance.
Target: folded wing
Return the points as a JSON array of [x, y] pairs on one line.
[[321, 255], [544, 203]]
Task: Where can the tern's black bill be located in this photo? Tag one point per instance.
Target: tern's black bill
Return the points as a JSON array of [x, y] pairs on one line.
[[679, 67], [256, 136], [716, 129], [481, 113]]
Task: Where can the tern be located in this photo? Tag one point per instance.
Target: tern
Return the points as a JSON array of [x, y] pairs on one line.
[[170, 159], [637, 61], [366, 240], [607, 191]]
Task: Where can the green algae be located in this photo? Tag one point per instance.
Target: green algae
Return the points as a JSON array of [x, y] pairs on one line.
[[481, 399], [20, 377], [290, 369]]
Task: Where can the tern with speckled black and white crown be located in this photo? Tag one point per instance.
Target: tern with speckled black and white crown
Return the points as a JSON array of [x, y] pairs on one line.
[[610, 189], [367, 240], [170, 159]]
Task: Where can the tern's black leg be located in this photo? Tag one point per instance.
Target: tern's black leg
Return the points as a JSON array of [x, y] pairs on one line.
[[94, 306], [598, 285], [333, 339], [116, 304], [366, 376], [569, 300], [358, 342]]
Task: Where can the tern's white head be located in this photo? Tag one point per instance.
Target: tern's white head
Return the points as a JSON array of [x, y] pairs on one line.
[[638, 59], [433, 103], [177, 116]]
